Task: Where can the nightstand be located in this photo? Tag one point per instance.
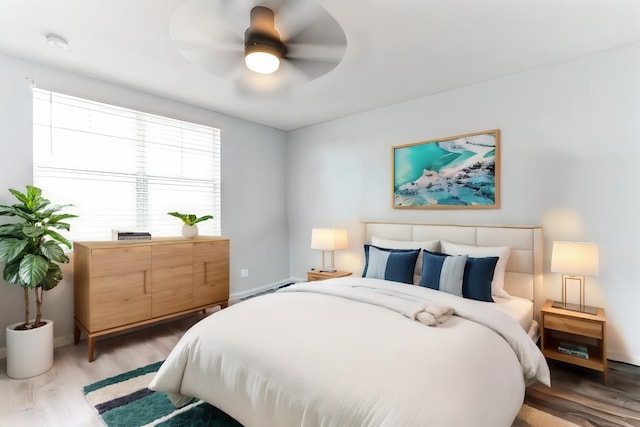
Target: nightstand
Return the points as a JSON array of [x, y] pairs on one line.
[[559, 325], [320, 275]]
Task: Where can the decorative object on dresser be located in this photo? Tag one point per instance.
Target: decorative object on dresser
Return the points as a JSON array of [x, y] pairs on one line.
[[575, 337], [314, 275], [328, 240], [458, 172], [574, 260], [31, 250], [130, 235], [123, 284], [190, 221]]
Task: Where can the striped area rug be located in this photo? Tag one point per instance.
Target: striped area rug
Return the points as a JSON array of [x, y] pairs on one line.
[[125, 401]]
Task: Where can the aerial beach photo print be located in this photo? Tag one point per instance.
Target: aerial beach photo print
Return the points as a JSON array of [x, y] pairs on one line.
[[451, 173]]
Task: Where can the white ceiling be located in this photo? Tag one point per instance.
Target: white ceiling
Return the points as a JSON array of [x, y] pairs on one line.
[[396, 50]]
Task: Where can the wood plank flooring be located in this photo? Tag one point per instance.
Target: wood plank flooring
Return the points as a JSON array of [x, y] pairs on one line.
[[55, 398], [578, 395]]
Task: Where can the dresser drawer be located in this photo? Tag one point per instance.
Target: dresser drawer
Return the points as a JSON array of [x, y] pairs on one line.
[[110, 261], [573, 326], [118, 300], [163, 256]]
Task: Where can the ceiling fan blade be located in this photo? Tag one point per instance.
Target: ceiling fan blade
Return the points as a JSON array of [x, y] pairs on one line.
[[312, 69], [219, 62], [322, 29], [316, 51], [293, 16], [210, 46], [204, 39], [318, 47], [315, 60]]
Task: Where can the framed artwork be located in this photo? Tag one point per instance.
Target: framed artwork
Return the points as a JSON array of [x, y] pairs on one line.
[[459, 172]]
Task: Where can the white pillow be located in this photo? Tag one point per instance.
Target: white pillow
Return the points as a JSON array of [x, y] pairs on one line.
[[430, 245], [503, 252]]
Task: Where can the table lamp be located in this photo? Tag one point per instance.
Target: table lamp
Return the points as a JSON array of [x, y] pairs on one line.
[[328, 240], [574, 260]]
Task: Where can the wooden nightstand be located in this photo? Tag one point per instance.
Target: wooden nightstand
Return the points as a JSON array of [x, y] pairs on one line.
[[319, 275], [589, 330]]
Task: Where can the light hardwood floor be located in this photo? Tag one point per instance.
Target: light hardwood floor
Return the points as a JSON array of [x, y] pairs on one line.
[[55, 398]]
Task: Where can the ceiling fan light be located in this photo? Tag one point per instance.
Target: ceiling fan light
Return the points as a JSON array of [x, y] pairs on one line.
[[263, 49], [262, 62]]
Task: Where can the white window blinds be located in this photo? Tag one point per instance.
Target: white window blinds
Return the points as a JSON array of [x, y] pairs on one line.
[[124, 169]]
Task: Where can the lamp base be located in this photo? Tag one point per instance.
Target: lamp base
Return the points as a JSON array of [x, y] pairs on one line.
[[575, 307], [327, 268]]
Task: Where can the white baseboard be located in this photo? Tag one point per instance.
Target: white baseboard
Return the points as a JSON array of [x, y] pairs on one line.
[[244, 294], [625, 358]]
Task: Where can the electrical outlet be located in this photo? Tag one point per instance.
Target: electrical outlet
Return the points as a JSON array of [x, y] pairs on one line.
[[244, 272]]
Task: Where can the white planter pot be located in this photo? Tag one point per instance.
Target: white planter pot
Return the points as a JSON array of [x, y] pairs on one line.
[[29, 353], [190, 231]]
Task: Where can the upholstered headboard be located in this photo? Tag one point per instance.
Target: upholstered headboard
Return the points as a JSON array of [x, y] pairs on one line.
[[524, 272]]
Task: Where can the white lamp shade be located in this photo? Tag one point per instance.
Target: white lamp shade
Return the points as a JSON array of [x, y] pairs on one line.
[[328, 239], [575, 258]]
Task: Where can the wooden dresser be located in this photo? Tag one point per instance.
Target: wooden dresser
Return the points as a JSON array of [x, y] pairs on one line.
[[123, 284]]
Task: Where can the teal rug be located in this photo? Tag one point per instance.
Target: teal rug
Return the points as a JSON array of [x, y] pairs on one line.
[[125, 401]]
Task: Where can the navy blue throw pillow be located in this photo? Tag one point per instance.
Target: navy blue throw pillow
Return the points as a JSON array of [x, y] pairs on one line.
[[478, 274], [390, 264], [443, 272]]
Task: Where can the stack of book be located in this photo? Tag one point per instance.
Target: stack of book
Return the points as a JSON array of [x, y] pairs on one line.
[[131, 235], [574, 349]]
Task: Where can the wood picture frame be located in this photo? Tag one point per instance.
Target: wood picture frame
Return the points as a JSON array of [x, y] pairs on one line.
[[458, 172]]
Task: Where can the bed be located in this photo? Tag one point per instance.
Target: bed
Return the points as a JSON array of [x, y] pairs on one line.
[[369, 351]]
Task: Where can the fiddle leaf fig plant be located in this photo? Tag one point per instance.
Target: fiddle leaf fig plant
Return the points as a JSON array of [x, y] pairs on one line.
[[190, 219], [31, 248]]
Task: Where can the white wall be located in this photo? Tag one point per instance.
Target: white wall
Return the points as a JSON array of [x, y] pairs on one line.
[[569, 147], [253, 176]]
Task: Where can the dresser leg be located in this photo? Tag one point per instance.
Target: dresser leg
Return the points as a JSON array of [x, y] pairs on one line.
[[91, 344], [76, 334]]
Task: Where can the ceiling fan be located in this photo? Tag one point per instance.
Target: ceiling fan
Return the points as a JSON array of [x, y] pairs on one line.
[[297, 40]]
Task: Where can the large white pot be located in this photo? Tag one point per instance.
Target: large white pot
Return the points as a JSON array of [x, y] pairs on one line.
[[30, 352]]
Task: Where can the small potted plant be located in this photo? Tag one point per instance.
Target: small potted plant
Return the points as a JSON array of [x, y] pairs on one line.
[[190, 221], [31, 250]]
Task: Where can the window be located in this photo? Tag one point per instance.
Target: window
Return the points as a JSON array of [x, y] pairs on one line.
[[123, 169]]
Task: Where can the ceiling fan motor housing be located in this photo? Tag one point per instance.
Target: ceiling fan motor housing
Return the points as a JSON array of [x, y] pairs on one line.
[[262, 35]]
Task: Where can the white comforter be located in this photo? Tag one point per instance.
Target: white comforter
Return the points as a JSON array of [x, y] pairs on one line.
[[309, 357]]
